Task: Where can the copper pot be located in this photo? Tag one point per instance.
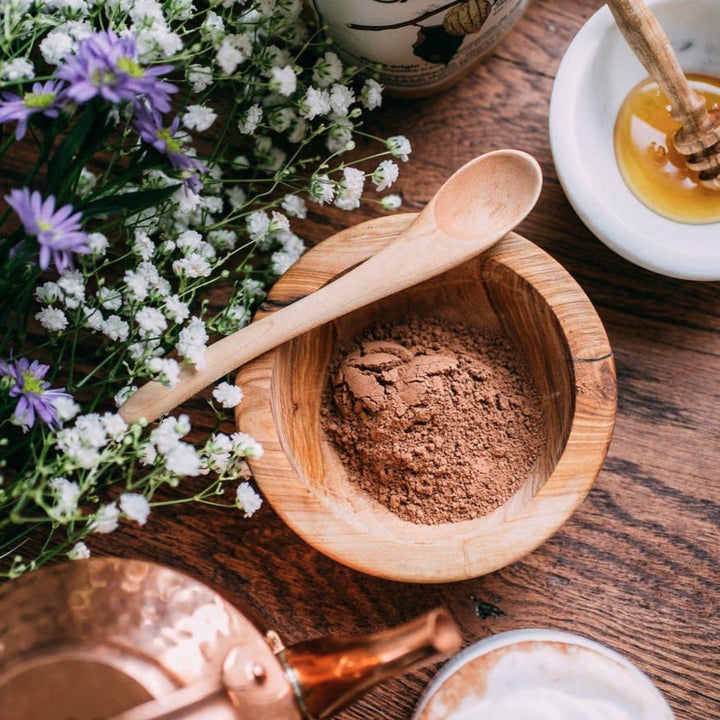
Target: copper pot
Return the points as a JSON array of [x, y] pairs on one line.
[[126, 640]]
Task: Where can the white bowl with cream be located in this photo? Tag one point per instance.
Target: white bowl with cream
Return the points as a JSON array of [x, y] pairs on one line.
[[595, 76], [541, 675]]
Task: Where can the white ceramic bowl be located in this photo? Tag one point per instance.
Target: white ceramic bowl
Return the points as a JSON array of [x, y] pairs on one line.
[[522, 673], [596, 74]]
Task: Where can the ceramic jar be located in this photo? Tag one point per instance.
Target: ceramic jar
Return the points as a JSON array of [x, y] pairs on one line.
[[418, 46]]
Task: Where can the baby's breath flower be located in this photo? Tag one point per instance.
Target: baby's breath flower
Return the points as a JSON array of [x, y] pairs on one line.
[[246, 445], [227, 395], [135, 506], [234, 50], [237, 197], [200, 77], [315, 102], [114, 426], [247, 499], [258, 224], [18, 69], [385, 175], [123, 394], [86, 184], [66, 408], [150, 321], [56, 46], [93, 319], [66, 494], [341, 98], [250, 120], [116, 328], [110, 298], [182, 459], [147, 454], [72, 284], [137, 285], [199, 117], [176, 309], [281, 118], [350, 190], [223, 239], [48, 293], [327, 70], [52, 319], [399, 146], [143, 245], [294, 206], [168, 433], [166, 370], [192, 341], [283, 80], [322, 189], [213, 27], [79, 551], [97, 242], [192, 266], [106, 519], [371, 94]]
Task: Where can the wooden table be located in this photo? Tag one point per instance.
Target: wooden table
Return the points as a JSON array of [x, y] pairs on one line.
[[638, 565]]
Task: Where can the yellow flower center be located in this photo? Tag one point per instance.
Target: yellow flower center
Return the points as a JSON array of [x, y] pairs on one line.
[[41, 101], [31, 384], [129, 66], [171, 143]]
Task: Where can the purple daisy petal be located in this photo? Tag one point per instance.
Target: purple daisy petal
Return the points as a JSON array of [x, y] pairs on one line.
[[44, 98], [107, 65], [58, 233], [35, 398]]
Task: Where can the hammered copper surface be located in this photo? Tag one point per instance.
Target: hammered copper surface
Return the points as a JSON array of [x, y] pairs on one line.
[[85, 640]]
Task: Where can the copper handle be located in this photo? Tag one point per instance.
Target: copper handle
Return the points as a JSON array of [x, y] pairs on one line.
[[330, 673]]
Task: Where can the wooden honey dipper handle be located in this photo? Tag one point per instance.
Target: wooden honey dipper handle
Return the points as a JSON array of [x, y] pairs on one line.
[[651, 45]]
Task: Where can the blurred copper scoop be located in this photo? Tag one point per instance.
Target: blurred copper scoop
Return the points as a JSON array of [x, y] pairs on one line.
[[699, 137]]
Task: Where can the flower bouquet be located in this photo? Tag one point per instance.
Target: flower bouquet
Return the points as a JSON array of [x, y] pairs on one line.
[[154, 153]]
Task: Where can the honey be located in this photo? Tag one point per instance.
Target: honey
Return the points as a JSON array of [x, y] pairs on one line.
[[652, 168]]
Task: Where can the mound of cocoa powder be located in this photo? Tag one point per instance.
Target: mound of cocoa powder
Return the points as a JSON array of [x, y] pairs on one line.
[[440, 422]]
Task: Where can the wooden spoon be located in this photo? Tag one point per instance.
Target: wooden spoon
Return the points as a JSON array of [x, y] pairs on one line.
[[699, 137], [475, 208]]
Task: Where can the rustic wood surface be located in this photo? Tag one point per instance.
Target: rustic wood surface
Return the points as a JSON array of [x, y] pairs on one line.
[[638, 565]]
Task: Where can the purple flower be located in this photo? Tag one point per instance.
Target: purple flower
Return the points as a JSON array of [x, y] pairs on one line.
[[45, 98], [107, 65], [166, 141], [35, 396], [57, 232]]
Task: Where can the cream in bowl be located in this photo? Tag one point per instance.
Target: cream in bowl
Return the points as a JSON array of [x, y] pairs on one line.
[[596, 76], [541, 675]]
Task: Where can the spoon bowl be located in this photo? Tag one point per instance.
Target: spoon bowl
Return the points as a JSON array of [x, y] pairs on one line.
[[478, 205]]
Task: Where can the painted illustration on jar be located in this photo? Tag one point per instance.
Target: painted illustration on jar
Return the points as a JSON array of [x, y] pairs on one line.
[[417, 44], [438, 43]]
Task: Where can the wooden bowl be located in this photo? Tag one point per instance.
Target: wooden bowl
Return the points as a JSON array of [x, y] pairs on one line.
[[516, 288]]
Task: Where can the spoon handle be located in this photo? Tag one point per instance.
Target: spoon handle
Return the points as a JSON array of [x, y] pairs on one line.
[[651, 45], [476, 207], [417, 255]]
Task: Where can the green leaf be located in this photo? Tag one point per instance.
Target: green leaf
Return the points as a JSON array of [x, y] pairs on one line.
[[77, 138], [130, 203]]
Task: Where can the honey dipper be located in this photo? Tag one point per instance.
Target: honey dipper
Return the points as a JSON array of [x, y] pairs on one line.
[[698, 138]]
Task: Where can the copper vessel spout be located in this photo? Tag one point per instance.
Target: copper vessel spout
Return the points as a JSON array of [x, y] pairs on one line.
[[330, 673]]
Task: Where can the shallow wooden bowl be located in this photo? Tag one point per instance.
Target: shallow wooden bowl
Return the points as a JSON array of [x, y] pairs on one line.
[[516, 288]]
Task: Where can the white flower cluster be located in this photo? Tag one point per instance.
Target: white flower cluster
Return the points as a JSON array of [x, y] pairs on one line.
[[139, 294]]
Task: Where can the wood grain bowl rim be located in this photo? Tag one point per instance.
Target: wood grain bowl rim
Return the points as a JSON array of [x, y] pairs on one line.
[[472, 551]]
